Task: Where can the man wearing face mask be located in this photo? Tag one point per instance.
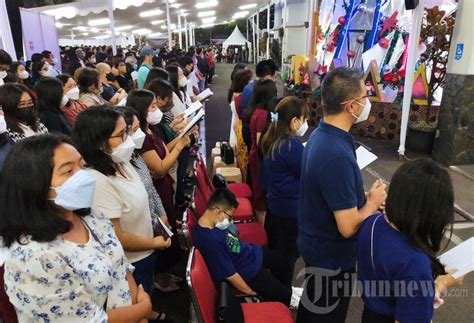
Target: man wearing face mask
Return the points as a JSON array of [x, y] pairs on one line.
[[5, 62], [249, 268], [52, 61], [332, 203]]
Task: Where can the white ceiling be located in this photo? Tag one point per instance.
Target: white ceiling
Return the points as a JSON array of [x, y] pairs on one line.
[[130, 17]]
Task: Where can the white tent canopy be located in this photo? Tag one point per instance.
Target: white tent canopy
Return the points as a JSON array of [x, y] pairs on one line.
[[235, 39]]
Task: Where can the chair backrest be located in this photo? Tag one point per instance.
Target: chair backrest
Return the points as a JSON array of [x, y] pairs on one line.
[[204, 185], [200, 203], [204, 170], [191, 223], [203, 290]]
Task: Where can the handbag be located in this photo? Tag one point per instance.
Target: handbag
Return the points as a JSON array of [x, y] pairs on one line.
[[227, 153]]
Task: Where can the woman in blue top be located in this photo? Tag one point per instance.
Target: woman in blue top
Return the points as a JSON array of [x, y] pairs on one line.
[[400, 276], [282, 155]]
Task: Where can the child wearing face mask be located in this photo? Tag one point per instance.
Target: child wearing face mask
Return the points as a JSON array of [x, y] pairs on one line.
[[282, 153], [250, 269]]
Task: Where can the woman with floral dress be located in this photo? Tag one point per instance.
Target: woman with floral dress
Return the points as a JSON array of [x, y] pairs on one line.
[[64, 264]]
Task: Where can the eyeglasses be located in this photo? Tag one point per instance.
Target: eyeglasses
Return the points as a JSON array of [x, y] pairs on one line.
[[123, 134], [230, 216], [352, 100]]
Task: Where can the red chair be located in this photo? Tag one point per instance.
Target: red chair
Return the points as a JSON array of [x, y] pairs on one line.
[[204, 297], [7, 311], [244, 211], [239, 189]]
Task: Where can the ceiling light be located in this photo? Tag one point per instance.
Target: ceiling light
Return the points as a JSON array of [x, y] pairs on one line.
[[248, 6], [142, 31], [127, 27], [81, 28], [59, 25], [207, 4], [185, 14], [172, 26], [99, 22], [176, 5], [206, 13], [94, 30], [208, 20], [154, 35], [171, 1], [151, 13], [240, 14], [207, 25], [85, 34], [102, 37], [157, 22]]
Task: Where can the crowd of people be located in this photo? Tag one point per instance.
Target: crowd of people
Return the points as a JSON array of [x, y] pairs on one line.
[[92, 165]]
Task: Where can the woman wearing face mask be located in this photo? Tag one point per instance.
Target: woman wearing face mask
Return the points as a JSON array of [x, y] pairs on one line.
[[71, 96], [281, 168], [178, 81], [65, 263], [51, 99], [132, 69], [90, 87], [22, 75], [110, 92], [159, 158], [40, 69], [167, 258], [103, 139], [19, 108], [123, 78]]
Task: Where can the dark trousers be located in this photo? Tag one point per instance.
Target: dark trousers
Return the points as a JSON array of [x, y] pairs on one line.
[[183, 163], [369, 316], [282, 233], [144, 272], [273, 281], [327, 298], [210, 75]]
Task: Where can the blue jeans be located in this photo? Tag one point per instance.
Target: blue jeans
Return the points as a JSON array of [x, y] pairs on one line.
[[145, 272]]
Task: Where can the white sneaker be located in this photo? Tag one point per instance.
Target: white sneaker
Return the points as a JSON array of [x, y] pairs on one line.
[[296, 294]]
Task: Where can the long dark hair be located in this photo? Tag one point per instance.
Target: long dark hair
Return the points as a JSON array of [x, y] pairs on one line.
[[50, 93], [26, 209], [86, 78], [10, 97], [288, 108], [420, 203], [263, 93], [140, 101], [173, 73], [36, 68], [237, 68], [156, 73], [91, 132]]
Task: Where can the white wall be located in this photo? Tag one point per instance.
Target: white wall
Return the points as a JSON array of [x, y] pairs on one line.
[[463, 34], [295, 39]]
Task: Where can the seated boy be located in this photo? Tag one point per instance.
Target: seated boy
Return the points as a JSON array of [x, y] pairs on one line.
[[249, 268]]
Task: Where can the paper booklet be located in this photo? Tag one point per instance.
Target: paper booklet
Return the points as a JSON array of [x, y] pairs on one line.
[[122, 102], [364, 157], [3, 255], [205, 94], [459, 258], [192, 123], [193, 107], [163, 230]]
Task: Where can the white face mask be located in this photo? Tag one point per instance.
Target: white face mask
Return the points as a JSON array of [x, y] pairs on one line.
[[3, 74], [138, 138], [73, 94], [302, 129], [23, 75], [182, 82], [77, 192], [64, 100], [154, 117], [365, 113], [3, 124], [123, 152], [223, 225]]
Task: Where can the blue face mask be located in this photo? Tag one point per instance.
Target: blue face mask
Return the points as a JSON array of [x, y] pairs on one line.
[[77, 192]]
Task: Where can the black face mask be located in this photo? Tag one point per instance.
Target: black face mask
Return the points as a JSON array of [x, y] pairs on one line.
[[26, 115], [110, 77]]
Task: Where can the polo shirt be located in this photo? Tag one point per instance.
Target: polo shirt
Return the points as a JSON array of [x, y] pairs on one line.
[[143, 74], [398, 265], [330, 181]]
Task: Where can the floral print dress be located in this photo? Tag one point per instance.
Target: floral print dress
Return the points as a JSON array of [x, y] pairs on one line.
[[61, 281]]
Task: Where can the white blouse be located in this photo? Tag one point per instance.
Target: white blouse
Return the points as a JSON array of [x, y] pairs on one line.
[[61, 281]]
